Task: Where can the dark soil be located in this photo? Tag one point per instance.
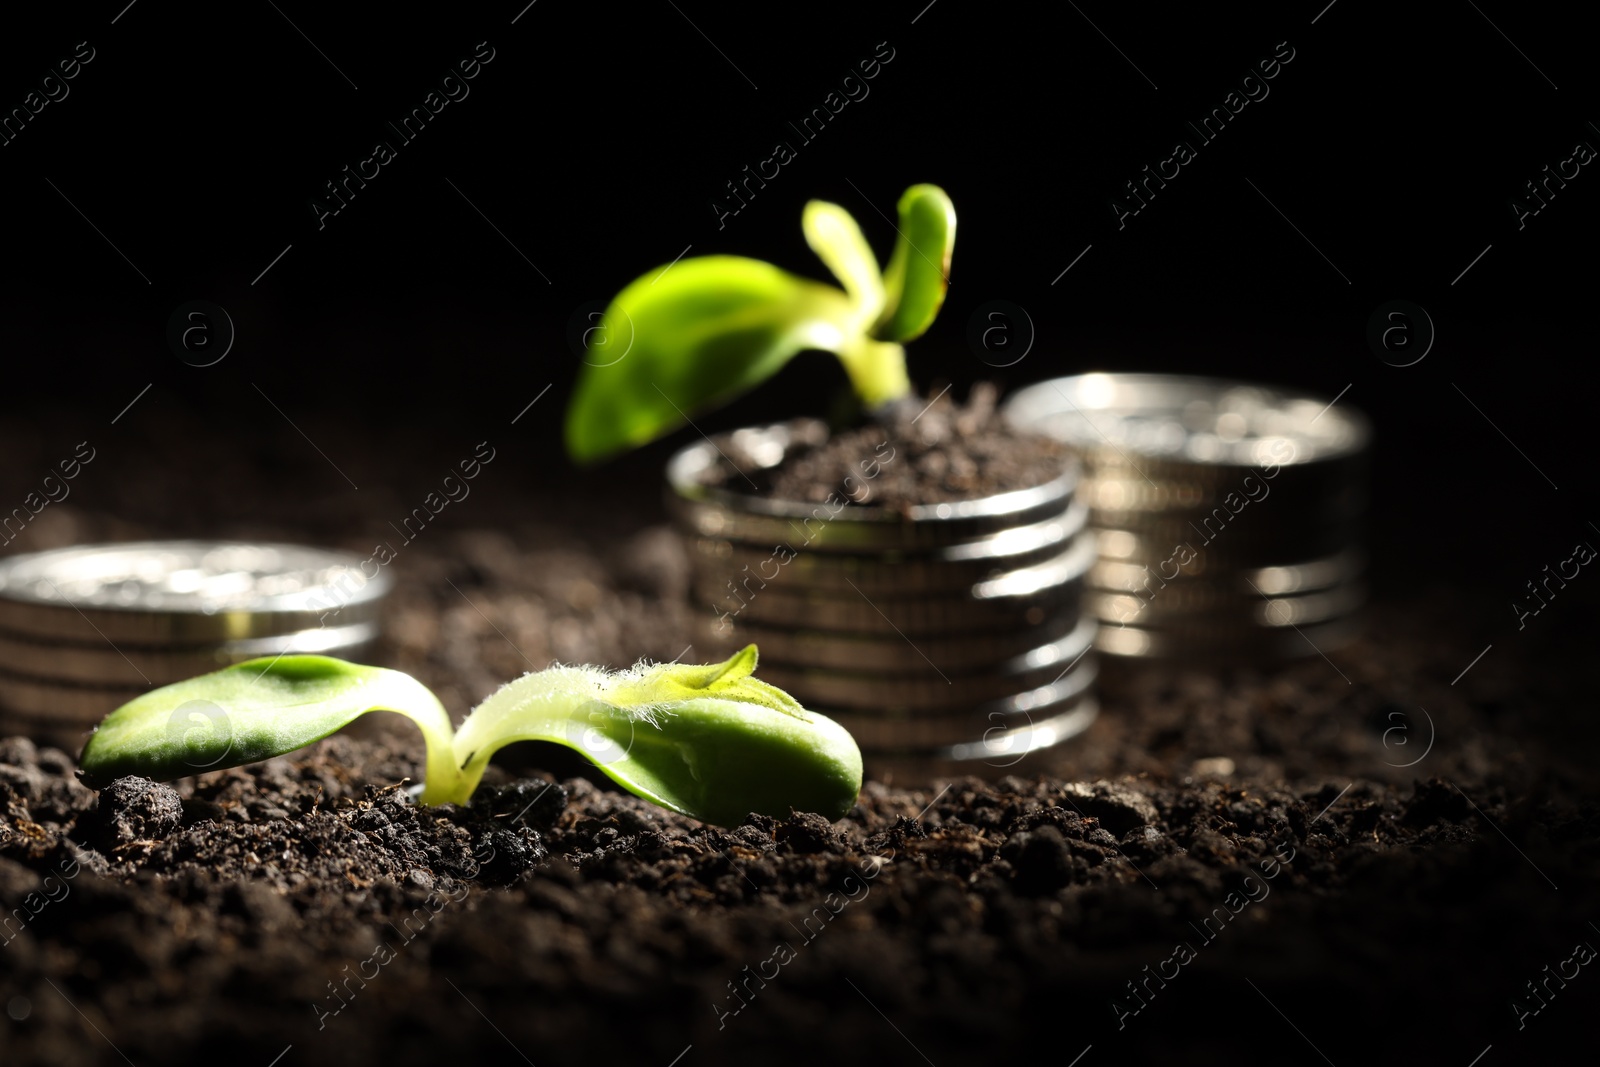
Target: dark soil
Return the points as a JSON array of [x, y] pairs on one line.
[[914, 452], [1252, 837]]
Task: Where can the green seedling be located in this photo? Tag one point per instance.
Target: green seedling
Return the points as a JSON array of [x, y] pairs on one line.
[[693, 335], [711, 742]]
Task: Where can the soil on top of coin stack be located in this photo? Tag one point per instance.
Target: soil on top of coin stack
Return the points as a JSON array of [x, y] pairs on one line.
[[914, 452]]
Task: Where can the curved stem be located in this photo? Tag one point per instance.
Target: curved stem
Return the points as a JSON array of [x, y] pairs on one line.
[[399, 692], [545, 706], [877, 370]]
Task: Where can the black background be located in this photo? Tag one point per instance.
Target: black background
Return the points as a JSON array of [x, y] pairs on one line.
[[597, 138]]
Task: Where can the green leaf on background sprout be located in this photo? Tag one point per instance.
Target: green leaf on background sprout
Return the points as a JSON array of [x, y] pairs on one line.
[[919, 267], [695, 334], [711, 742]]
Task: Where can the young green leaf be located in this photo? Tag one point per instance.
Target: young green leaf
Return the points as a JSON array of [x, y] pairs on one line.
[[732, 679], [919, 267], [259, 709], [710, 741], [833, 235], [694, 335]]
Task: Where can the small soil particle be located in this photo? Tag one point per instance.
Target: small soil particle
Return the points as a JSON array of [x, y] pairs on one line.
[[132, 809]]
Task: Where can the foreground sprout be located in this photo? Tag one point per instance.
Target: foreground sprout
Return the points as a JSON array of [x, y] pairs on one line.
[[711, 742], [698, 332]]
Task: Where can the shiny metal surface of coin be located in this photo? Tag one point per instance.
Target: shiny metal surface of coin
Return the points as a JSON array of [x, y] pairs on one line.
[[1191, 422], [1221, 647], [134, 665], [878, 652], [1064, 664], [161, 593], [955, 567], [54, 703], [1017, 599], [996, 735], [1203, 588]]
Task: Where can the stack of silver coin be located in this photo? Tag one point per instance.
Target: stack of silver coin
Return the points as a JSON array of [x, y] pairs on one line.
[[84, 630], [1229, 515], [950, 631]]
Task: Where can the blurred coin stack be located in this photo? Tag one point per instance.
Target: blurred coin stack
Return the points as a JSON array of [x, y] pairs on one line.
[[84, 630], [1229, 515], [950, 632]]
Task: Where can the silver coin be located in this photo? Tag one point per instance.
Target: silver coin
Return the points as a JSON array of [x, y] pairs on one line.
[[867, 652], [1195, 485], [1067, 569], [1254, 538], [1004, 749], [1181, 579], [1116, 495], [132, 665], [888, 573], [839, 526], [949, 616], [1223, 554], [1064, 664], [1189, 422], [1021, 598], [161, 593], [1226, 512], [1115, 500], [1170, 614], [1306, 609], [55, 704], [1030, 710], [1256, 645], [1239, 616], [1000, 753], [997, 735]]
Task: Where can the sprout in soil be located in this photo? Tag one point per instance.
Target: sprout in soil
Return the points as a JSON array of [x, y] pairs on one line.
[[696, 333], [711, 742]]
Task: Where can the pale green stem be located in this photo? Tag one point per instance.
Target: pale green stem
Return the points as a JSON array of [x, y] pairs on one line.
[[877, 370], [550, 705], [403, 694]]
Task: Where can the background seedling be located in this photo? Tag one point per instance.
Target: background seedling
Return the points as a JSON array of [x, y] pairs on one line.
[[702, 331]]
